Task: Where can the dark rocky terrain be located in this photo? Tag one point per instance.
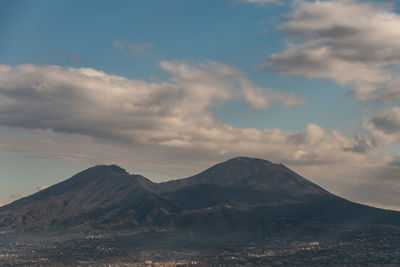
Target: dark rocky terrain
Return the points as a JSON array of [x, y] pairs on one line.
[[233, 205]]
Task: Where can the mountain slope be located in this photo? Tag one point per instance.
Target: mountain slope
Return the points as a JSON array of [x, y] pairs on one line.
[[242, 193], [246, 180], [97, 196]]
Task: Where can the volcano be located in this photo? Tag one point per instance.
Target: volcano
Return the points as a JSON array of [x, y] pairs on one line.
[[241, 194]]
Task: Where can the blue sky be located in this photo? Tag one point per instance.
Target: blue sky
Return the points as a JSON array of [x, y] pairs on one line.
[[216, 72], [241, 34]]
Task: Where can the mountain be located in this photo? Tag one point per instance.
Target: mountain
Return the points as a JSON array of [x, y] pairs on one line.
[[101, 195], [242, 194]]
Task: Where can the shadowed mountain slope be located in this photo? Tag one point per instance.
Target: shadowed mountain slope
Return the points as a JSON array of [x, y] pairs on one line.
[[270, 183], [101, 195], [242, 193]]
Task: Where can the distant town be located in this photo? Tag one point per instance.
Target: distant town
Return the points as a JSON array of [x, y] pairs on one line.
[[116, 250]]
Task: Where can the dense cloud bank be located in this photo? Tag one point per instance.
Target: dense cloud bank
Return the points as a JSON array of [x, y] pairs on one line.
[[166, 127]]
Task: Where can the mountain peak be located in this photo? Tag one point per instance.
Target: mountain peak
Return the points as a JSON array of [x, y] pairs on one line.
[[258, 174], [241, 166], [117, 169], [108, 168], [243, 159]]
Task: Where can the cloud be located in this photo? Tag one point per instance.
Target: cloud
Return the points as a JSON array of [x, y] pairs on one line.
[[138, 48], [361, 146], [390, 91], [315, 153], [224, 82], [384, 126], [380, 182], [90, 102], [167, 127], [352, 43], [388, 121]]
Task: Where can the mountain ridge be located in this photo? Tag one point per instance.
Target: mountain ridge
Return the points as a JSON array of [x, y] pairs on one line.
[[242, 192]]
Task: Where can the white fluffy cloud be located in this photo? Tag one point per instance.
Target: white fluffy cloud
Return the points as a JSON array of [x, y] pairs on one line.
[[350, 42], [166, 127], [90, 102]]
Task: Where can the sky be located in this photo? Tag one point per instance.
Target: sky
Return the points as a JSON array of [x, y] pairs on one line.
[[169, 88]]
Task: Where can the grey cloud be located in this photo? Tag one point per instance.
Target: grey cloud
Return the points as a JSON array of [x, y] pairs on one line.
[[391, 91], [386, 124], [387, 121], [297, 62], [383, 183], [361, 146], [385, 194], [395, 163], [335, 32], [349, 42], [323, 34]]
